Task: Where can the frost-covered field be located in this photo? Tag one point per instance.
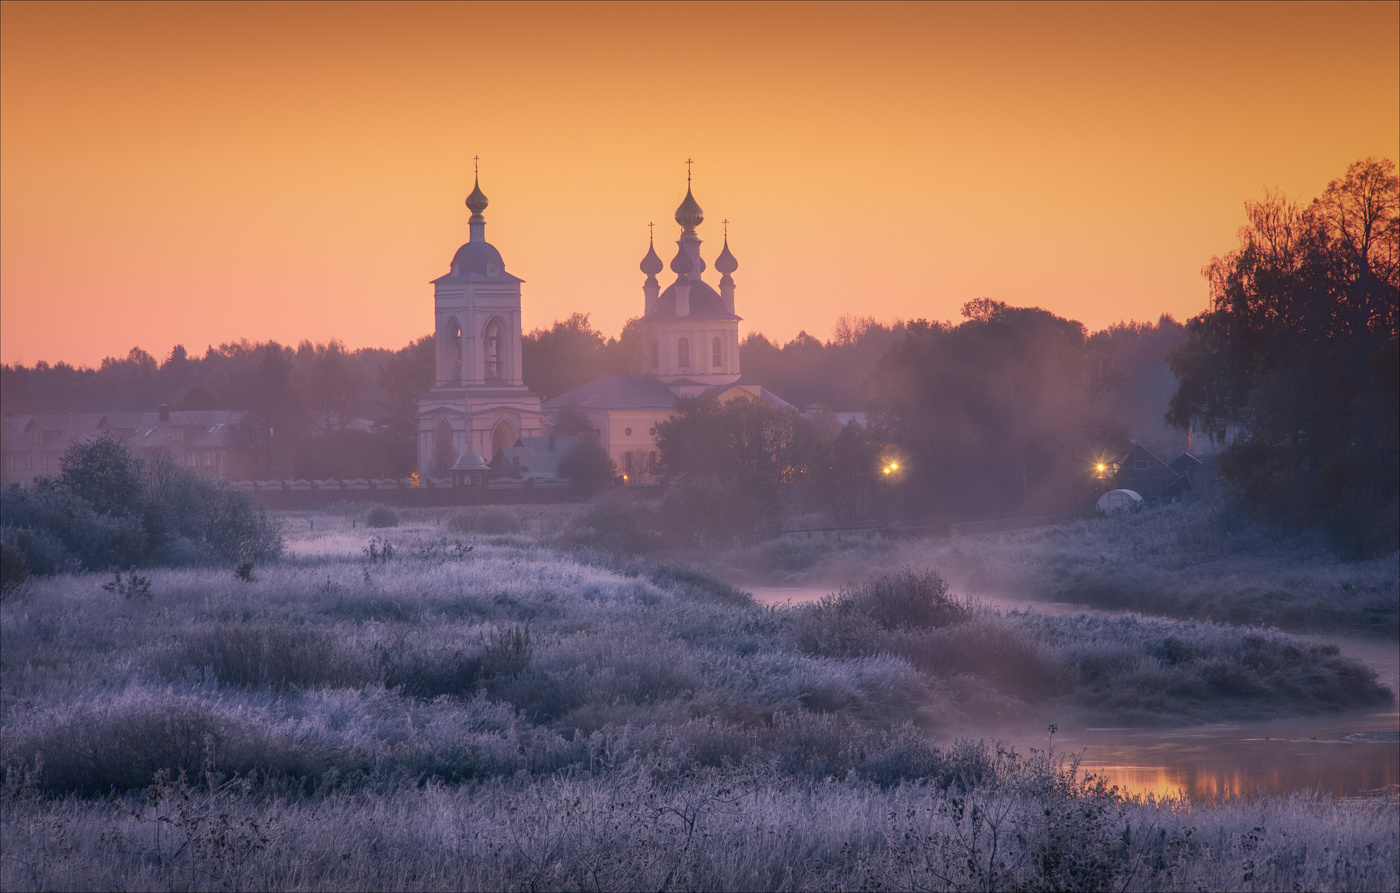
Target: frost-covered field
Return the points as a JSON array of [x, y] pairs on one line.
[[1197, 561], [452, 703]]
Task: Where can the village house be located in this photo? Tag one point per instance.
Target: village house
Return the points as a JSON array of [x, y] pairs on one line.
[[224, 445], [1147, 475]]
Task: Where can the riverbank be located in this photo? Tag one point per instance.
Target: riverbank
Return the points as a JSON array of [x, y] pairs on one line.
[[1195, 561]]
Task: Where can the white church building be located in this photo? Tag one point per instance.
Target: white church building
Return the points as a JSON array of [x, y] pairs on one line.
[[478, 403], [690, 336]]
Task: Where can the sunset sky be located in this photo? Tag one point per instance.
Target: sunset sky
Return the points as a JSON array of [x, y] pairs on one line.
[[205, 173]]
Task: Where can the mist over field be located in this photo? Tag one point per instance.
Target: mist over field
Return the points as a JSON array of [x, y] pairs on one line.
[[477, 698]]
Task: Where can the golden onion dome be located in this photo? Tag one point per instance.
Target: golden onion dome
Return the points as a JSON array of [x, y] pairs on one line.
[[477, 200], [689, 214]]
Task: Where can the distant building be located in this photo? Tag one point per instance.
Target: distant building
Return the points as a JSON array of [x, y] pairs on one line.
[[1145, 474], [216, 444], [479, 401], [690, 343]]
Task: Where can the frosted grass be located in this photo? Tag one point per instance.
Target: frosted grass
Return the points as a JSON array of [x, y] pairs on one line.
[[485, 711]]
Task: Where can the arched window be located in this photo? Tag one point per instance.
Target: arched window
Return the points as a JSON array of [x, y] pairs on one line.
[[492, 342], [683, 352], [454, 345], [716, 353], [502, 436]]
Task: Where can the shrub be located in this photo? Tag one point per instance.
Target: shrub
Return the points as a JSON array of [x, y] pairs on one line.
[[618, 524], [57, 529], [588, 466], [382, 516], [857, 621], [103, 473], [908, 597], [105, 512]]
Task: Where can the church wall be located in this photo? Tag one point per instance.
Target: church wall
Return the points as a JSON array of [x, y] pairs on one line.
[[668, 337], [641, 442]]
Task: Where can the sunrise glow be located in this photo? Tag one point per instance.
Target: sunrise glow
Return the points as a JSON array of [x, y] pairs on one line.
[[200, 173]]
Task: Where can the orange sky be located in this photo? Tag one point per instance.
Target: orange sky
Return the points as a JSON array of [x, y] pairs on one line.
[[203, 173]]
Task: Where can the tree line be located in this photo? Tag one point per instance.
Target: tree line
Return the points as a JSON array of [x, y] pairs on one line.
[[1292, 370]]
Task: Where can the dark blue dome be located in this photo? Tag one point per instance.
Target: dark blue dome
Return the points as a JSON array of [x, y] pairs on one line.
[[478, 258]]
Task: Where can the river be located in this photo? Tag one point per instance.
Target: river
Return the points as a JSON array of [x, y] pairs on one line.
[[1340, 754]]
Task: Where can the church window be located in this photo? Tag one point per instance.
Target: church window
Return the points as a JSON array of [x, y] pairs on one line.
[[1142, 465], [454, 339], [43, 461], [492, 341], [627, 431], [503, 437], [490, 269], [716, 358], [177, 435], [683, 352]]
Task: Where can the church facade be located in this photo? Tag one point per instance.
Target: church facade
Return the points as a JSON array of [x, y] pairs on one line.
[[478, 404], [690, 344]]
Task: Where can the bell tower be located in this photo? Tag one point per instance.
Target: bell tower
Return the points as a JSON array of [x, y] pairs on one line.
[[479, 400]]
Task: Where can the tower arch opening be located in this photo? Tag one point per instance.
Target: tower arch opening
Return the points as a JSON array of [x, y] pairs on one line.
[[454, 350], [491, 343]]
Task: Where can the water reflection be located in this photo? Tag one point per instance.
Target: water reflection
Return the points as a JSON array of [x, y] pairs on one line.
[[1339, 756], [1344, 755]]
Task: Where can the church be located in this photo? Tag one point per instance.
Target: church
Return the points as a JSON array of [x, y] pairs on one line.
[[690, 338], [479, 405]]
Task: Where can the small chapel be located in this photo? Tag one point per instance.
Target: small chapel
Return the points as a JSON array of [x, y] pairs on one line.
[[478, 404]]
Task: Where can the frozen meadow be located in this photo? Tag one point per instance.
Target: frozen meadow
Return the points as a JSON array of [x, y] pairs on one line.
[[464, 701]]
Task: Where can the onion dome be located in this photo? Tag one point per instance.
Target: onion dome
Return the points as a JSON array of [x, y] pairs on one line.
[[726, 263], [682, 264], [477, 201], [689, 214], [651, 264]]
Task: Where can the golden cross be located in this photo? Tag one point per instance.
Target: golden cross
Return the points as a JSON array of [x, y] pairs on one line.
[[651, 230], [726, 228], [476, 164], [688, 163]]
